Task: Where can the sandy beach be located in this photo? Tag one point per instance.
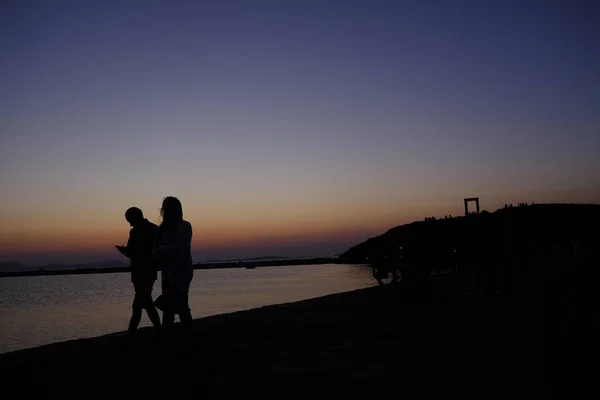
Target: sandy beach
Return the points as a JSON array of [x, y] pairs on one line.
[[371, 340]]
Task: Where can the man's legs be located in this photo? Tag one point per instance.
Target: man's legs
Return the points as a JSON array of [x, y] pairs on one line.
[[153, 315], [143, 299], [150, 308], [136, 313], [136, 317]]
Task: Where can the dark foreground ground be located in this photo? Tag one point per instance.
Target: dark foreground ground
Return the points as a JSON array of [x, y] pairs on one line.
[[374, 341]]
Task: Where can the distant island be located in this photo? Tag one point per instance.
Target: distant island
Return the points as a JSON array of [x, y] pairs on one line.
[[13, 266], [13, 269], [262, 258]]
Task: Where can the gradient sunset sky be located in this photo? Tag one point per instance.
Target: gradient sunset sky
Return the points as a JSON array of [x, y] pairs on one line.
[[291, 127]]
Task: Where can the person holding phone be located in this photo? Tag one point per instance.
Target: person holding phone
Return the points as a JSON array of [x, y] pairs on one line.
[[143, 267]]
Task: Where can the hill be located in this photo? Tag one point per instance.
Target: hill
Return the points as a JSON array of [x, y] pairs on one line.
[[13, 266], [486, 237]]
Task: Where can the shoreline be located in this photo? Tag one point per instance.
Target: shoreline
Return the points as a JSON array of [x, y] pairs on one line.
[[197, 266], [367, 339]]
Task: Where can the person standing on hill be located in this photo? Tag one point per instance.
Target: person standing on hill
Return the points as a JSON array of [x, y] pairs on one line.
[[172, 249], [143, 267]]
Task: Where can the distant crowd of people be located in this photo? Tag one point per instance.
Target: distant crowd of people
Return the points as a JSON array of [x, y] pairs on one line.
[[167, 248]]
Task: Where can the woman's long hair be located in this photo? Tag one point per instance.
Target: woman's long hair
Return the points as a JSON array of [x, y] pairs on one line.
[[171, 213]]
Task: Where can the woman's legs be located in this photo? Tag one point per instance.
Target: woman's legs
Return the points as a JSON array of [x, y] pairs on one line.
[[168, 319], [168, 312], [177, 302], [185, 314]]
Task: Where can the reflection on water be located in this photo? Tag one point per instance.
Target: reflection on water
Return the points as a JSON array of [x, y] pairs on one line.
[[45, 309]]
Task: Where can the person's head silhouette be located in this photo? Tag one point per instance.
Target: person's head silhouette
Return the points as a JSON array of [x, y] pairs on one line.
[[134, 216], [171, 212]]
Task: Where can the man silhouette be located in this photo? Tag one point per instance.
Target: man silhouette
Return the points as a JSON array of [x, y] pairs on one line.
[[143, 268]]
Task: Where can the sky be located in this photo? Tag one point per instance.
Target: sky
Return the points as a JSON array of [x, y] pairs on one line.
[[293, 128]]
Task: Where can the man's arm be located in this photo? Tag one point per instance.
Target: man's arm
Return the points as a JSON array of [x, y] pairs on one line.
[[127, 250]]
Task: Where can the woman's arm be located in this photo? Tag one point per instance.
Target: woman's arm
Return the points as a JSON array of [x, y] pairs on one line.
[[179, 241]]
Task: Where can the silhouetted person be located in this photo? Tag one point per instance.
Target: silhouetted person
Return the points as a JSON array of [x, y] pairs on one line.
[[172, 248], [386, 263], [395, 259], [380, 272], [143, 267]]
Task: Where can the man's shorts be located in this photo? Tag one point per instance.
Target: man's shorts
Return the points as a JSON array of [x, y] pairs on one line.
[[143, 294]]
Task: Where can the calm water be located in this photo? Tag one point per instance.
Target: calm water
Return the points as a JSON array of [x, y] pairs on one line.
[[39, 310]]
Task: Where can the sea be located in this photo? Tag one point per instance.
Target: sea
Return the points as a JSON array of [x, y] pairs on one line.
[[39, 310]]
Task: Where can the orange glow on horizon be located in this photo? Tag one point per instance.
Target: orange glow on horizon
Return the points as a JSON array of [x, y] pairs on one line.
[[217, 229], [87, 238]]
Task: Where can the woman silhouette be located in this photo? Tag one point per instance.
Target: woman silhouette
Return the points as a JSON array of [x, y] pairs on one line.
[[172, 249]]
